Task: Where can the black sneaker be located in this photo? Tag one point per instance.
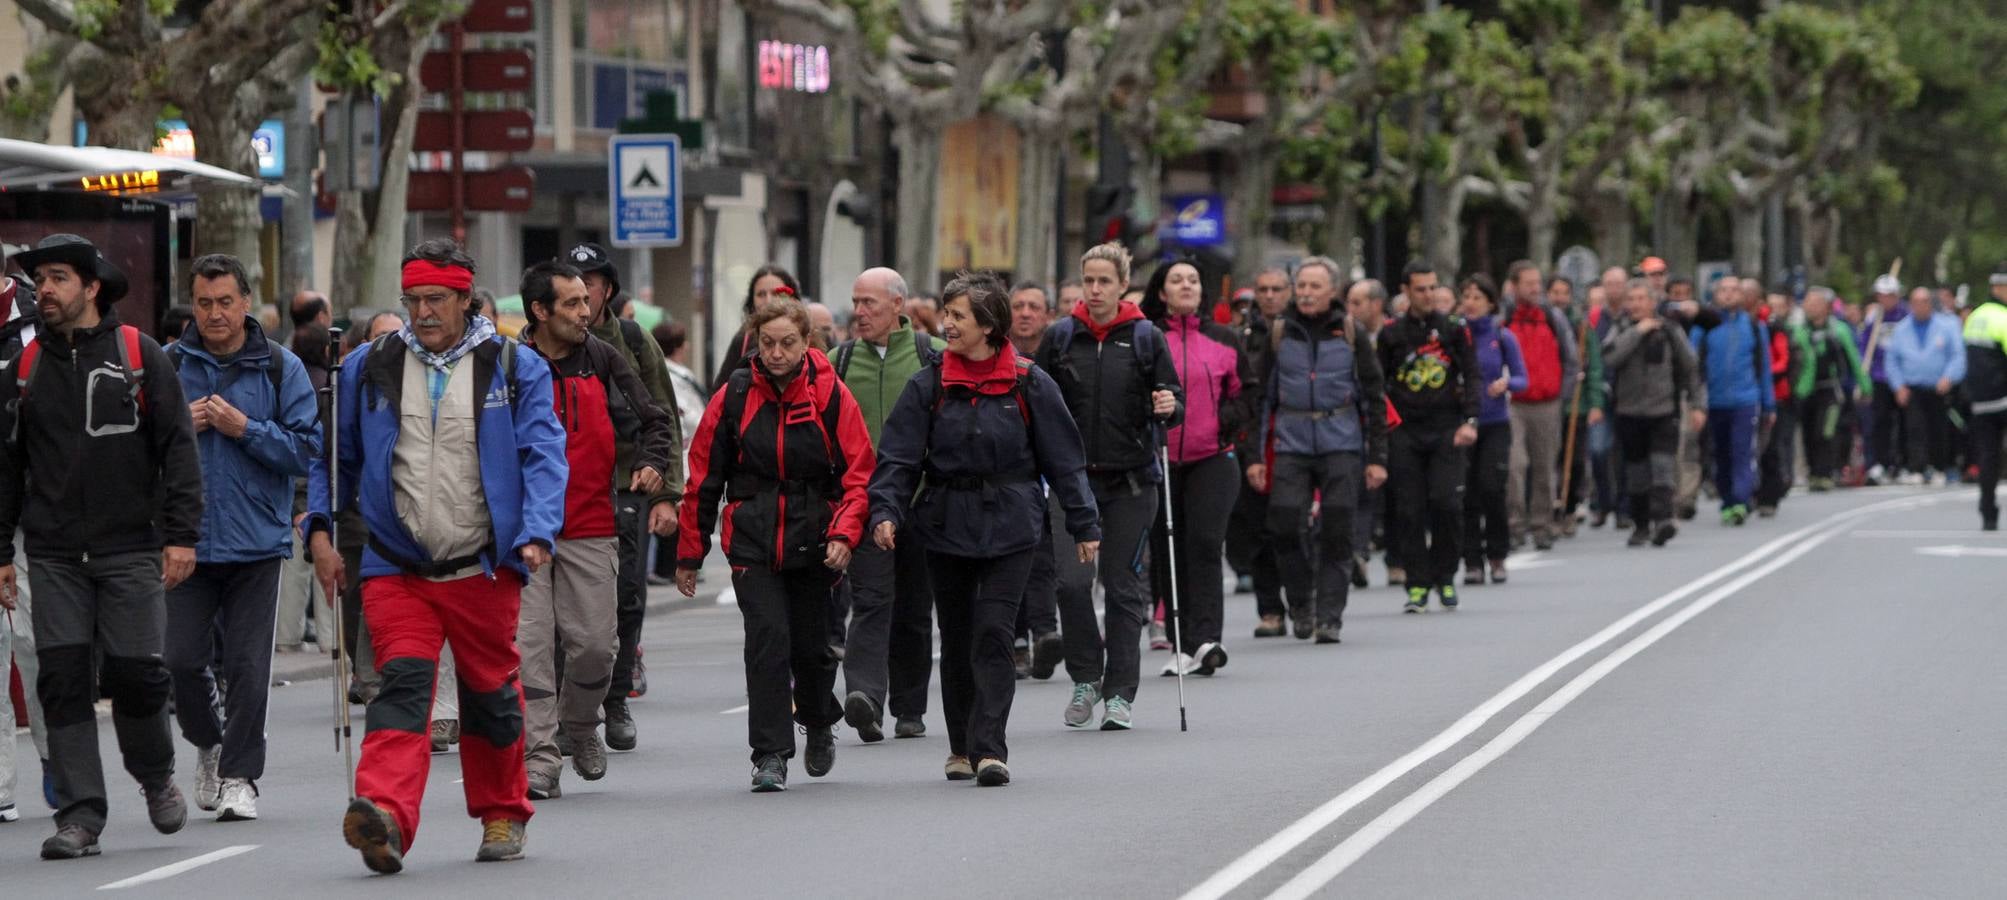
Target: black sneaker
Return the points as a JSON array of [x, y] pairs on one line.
[[821, 751], [1686, 513], [1989, 521], [862, 715], [71, 842], [770, 774], [1640, 536], [620, 731], [1328, 635], [1046, 651], [165, 808], [1663, 532], [1243, 584], [1447, 593], [909, 727], [1300, 624], [1600, 519], [1418, 600], [1359, 572]]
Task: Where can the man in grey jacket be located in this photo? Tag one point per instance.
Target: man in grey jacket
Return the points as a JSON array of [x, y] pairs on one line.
[[1652, 369]]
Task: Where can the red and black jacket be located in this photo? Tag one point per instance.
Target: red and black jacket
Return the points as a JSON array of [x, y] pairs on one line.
[[598, 398], [791, 467]]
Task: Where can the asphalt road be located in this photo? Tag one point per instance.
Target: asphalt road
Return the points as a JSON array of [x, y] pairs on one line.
[[1806, 706]]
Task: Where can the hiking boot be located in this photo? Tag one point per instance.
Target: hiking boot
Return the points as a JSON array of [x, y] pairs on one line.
[[1300, 623], [1663, 532], [1158, 640], [1359, 572], [544, 786], [1687, 513], [238, 801], [639, 678], [208, 785], [165, 808], [1020, 659], [1271, 626], [992, 773], [445, 733], [770, 774], [1473, 572], [1046, 651], [1115, 716], [862, 716], [589, 757], [958, 769], [1212, 658], [910, 727], [1640, 535], [565, 746], [501, 841], [1418, 600], [1328, 634], [70, 842], [370, 829], [620, 731], [1080, 710], [1498, 571], [821, 751], [1396, 576], [1448, 594]]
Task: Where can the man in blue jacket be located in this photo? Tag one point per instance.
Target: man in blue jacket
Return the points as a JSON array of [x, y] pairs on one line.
[[1735, 359], [1925, 361], [257, 425], [450, 443]]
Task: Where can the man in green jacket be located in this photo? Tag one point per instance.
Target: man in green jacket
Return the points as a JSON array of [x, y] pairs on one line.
[[1828, 378], [890, 650], [1579, 410], [637, 513]]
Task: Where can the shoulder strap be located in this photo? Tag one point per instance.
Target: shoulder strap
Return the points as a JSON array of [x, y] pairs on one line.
[[133, 361], [509, 346], [1142, 343], [632, 335], [24, 365], [736, 389], [1017, 390], [842, 361], [277, 372], [1275, 327]]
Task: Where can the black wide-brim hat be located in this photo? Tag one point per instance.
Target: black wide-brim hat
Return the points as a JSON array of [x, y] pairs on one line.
[[81, 255]]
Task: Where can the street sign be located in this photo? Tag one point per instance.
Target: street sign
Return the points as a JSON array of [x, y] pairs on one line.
[[486, 70], [1197, 220], [503, 130], [645, 180], [500, 15], [508, 189]]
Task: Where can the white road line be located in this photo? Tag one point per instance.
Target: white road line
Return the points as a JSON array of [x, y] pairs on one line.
[[1349, 851], [735, 710], [1970, 534], [1296, 833], [171, 870]]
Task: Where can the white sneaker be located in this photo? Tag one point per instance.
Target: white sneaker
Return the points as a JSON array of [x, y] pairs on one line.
[[1876, 474], [240, 800], [208, 787], [9, 814], [1180, 661]]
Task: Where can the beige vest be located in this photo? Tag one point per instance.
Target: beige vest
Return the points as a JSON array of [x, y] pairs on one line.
[[436, 469]]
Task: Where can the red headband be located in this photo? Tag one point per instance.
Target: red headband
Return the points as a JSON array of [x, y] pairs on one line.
[[426, 273]]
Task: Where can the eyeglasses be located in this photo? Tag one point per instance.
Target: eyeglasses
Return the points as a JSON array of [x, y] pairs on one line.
[[414, 301]]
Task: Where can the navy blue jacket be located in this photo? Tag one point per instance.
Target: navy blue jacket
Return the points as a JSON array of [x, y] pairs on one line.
[[981, 496], [249, 480]]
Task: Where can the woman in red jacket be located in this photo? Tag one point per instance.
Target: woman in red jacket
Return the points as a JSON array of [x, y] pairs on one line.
[[783, 446]]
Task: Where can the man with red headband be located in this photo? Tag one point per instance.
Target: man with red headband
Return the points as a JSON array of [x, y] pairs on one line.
[[450, 444]]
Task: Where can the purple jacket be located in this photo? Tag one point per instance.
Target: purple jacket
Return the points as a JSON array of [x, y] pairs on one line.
[[1211, 367], [1878, 366], [1497, 351]]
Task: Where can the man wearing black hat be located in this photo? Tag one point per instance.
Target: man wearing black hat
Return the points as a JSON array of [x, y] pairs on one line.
[[636, 514], [112, 514]]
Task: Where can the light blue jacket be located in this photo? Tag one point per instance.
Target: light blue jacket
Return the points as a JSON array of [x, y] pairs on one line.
[[1920, 353], [248, 481]]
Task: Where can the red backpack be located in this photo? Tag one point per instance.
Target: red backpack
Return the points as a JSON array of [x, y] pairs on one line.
[[1541, 352], [129, 358]]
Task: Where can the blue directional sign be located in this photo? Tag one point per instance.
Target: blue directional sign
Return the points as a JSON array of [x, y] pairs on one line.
[[644, 175]]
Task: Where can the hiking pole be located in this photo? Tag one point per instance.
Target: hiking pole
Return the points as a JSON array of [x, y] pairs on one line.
[[343, 734], [1171, 565], [1575, 416]]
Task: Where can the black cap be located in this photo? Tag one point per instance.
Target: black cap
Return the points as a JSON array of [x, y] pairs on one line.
[[590, 257], [81, 255]]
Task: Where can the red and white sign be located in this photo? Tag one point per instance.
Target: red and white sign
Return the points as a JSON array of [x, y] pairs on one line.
[[794, 67]]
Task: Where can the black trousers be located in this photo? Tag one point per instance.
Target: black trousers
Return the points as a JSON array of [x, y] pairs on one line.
[[1038, 615], [789, 663], [1486, 532], [243, 598], [1127, 509], [1316, 566], [978, 601], [1823, 420], [1777, 466], [890, 652], [1202, 496], [1927, 429], [1650, 446], [1426, 472], [1987, 431], [1251, 553], [630, 518], [1885, 441]]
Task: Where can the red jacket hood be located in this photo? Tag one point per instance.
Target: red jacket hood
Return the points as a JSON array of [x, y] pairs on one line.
[[1127, 312], [996, 375]]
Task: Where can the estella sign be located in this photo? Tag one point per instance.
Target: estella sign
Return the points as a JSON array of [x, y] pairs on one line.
[[794, 67]]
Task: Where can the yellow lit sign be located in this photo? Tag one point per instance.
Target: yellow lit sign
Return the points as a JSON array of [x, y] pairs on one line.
[[123, 182]]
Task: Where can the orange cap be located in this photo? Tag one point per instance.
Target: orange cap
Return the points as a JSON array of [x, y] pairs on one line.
[[1652, 265]]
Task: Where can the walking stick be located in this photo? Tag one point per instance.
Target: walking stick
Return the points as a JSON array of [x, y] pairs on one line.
[[1171, 562], [1575, 415], [344, 738]]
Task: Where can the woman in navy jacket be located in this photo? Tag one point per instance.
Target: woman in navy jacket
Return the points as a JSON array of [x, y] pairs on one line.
[[959, 464]]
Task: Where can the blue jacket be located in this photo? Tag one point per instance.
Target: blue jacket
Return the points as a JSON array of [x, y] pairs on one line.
[[1735, 357], [1497, 351], [1323, 392], [521, 445], [249, 481], [1920, 353]]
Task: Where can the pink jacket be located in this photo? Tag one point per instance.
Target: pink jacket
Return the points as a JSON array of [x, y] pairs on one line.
[[1209, 363]]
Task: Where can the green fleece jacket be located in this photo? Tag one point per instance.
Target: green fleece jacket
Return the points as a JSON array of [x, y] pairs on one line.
[[875, 382], [648, 364], [1595, 389]]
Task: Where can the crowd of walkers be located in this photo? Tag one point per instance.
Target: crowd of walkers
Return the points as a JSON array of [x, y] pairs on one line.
[[976, 462]]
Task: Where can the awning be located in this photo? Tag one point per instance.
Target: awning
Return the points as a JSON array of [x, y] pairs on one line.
[[27, 164]]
